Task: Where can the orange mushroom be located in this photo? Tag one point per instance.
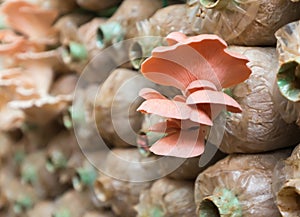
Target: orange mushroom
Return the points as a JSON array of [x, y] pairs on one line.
[[40, 68], [9, 118], [42, 110], [177, 108], [13, 86], [183, 139], [31, 20], [201, 57], [12, 44], [200, 67]]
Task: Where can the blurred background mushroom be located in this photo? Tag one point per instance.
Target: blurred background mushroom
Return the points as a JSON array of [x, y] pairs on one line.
[[31, 20]]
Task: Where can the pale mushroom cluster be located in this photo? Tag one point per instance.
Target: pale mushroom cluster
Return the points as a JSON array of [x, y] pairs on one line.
[[29, 68]]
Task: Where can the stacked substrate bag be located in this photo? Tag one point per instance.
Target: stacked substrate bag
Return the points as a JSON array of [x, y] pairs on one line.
[[241, 184]]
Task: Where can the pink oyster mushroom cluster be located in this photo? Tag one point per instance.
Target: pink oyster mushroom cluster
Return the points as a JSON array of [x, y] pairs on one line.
[[200, 67], [27, 67]]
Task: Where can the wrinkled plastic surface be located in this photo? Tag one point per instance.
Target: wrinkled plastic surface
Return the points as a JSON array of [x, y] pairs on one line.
[[87, 34], [123, 195], [190, 168], [288, 43], [43, 208], [286, 184], [259, 127], [115, 107], [283, 172], [132, 11], [227, 22], [288, 110], [166, 20], [67, 26], [167, 198], [248, 22], [249, 177], [76, 203]]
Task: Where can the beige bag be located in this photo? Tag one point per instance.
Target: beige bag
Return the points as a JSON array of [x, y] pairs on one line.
[[286, 184], [287, 88], [167, 198], [259, 127], [239, 185], [247, 22]]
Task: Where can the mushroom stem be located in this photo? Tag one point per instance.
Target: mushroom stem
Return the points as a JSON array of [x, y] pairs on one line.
[[221, 203], [41, 71], [216, 4], [109, 33], [288, 198]]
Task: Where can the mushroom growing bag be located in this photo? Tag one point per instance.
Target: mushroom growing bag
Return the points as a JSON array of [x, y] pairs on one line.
[[286, 184], [247, 22], [167, 198], [260, 126], [288, 83], [239, 185]]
